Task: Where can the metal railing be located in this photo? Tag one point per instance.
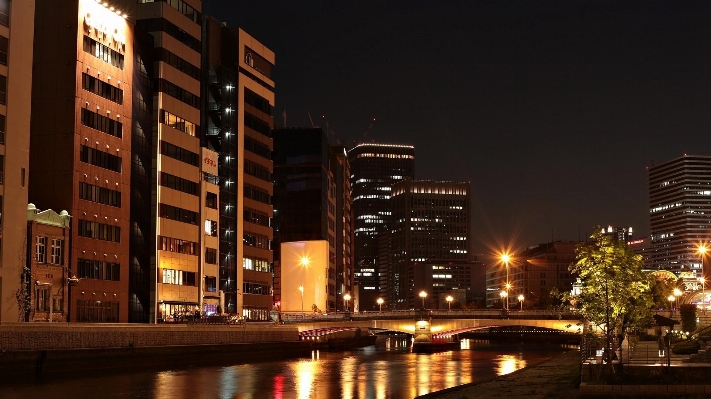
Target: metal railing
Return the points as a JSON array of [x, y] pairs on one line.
[[295, 317]]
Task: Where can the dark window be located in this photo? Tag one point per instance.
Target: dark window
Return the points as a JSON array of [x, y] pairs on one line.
[[257, 194], [96, 269], [211, 284], [256, 288], [2, 129], [3, 89], [102, 52], [257, 171], [97, 311], [177, 214], [176, 245], [3, 50], [257, 101], [258, 148], [99, 195], [211, 256], [99, 231], [100, 158], [257, 124], [211, 200], [256, 240], [5, 12], [177, 92], [176, 62], [256, 217], [101, 123], [161, 24], [179, 153], [178, 183], [101, 88]]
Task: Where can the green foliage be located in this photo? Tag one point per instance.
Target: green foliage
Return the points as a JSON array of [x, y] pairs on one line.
[[688, 317], [686, 348], [615, 292], [661, 288]]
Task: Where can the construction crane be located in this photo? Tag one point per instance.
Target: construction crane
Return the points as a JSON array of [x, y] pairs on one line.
[[371, 127], [330, 132]]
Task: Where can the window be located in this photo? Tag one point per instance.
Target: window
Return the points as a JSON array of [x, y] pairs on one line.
[[257, 171], [257, 194], [42, 299], [178, 183], [41, 249], [179, 153], [3, 89], [178, 123], [3, 50], [99, 231], [256, 288], [101, 123], [161, 24], [258, 148], [103, 53], [211, 200], [260, 265], [257, 101], [2, 129], [99, 270], [101, 88], [211, 228], [56, 256], [5, 12], [99, 195], [97, 311], [256, 217], [100, 158], [211, 256], [176, 245], [178, 277], [176, 62], [177, 92], [177, 214], [257, 124], [210, 284], [256, 240]]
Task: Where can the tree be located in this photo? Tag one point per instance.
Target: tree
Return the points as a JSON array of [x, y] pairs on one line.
[[615, 292], [688, 317]]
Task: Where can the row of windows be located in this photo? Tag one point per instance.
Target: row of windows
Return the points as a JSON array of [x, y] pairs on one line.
[[211, 256], [101, 88], [258, 148], [99, 270], [257, 124], [178, 214], [256, 217], [161, 24], [178, 183], [178, 277], [179, 153], [257, 101], [56, 250], [260, 265], [256, 170], [177, 92], [100, 158], [176, 245], [211, 200], [256, 288], [178, 123], [101, 123], [257, 194], [97, 311], [99, 231], [103, 53], [3, 50], [99, 195], [257, 241], [176, 62], [42, 300]]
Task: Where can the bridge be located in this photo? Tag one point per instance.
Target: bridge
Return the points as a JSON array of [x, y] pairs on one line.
[[434, 323]]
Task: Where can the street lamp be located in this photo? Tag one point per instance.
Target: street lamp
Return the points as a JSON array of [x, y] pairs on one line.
[[380, 304], [671, 299], [506, 258], [423, 295], [520, 300], [702, 251], [449, 301], [301, 288], [504, 295], [346, 298]]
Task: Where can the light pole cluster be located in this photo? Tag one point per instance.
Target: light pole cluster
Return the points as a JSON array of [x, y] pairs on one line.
[[506, 258], [423, 295]]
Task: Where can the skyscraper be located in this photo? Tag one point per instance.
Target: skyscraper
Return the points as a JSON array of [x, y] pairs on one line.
[[374, 169], [16, 31], [679, 213]]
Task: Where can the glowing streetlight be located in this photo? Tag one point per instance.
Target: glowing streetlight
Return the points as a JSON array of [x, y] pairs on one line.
[[301, 288], [423, 295], [380, 304], [506, 258], [702, 252], [346, 298], [671, 299], [449, 301], [304, 264], [520, 300], [504, 295]]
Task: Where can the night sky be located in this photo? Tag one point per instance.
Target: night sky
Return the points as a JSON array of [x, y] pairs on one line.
[[553, 110]]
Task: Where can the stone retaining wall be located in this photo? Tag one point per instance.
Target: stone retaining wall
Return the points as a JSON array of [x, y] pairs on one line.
[[55, 336], [608, 390]]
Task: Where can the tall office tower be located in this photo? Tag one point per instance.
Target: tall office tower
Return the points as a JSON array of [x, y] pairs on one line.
[[312, 202], [16, 31], [623, 234], [679, 213], [238, 97], [429, 245], [80, 150], [374, 169]]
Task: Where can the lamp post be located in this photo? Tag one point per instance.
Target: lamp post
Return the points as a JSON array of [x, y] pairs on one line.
[[506, 258], [520, 300], [380, 304], [449, 301], [301, 288], [346, 298], [504, 295], [423, 295], [304, 264], [671, 299], [702, 251]]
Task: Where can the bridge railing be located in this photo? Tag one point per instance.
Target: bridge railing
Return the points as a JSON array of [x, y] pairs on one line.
[[297, 317]]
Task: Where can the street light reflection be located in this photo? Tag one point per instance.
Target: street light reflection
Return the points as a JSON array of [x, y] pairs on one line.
[[305, 373], [508, 364]]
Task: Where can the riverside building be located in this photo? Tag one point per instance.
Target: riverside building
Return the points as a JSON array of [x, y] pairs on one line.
[[16, 32], [374, 169]]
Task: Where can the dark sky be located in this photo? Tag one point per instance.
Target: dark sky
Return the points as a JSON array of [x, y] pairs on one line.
[[552, 110]]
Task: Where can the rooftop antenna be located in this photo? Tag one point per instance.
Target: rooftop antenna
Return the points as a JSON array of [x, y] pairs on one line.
[[311, 120]]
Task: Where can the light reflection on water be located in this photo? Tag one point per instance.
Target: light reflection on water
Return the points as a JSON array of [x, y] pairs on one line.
[[388, 371]]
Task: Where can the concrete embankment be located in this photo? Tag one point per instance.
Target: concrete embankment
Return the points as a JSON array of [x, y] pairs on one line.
[[49, 348]]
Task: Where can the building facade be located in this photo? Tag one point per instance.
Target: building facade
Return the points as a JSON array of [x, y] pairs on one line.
[[679, 213], [17, 20], [429, 243], [374, 169]]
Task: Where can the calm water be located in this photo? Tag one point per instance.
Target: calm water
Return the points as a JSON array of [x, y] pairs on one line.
[[388, 370]]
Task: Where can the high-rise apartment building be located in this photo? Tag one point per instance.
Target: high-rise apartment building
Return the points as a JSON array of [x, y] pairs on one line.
[[679, 213], [16, 35], [238, 97], [429, 243], [374, 169]]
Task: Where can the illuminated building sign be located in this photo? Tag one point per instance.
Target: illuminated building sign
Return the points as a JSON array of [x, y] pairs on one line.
[[635, 242], [104, 25], [209, 161]]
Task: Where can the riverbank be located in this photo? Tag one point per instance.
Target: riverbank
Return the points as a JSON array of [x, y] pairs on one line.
[[556, 378]]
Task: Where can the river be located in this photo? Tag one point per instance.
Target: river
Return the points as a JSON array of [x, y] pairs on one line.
[[387, 370]]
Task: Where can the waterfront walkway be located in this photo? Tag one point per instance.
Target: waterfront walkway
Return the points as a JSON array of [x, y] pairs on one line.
[[552, 379]]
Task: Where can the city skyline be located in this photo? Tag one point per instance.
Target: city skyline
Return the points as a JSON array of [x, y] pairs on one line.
[[552, 111]]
